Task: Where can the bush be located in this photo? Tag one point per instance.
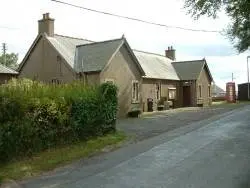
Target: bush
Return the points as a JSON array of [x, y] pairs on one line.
[[35, 116], [95, 115]]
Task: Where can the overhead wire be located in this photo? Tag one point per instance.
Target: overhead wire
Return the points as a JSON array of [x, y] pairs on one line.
[[136, 19], [8, 28]]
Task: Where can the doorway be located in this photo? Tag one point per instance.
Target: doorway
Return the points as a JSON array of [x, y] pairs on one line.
[[186, 96]]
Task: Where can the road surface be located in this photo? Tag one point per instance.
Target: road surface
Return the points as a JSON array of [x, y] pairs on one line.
[[214, 153]]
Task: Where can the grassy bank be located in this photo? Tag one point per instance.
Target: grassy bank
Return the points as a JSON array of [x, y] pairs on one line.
[[53, 158]]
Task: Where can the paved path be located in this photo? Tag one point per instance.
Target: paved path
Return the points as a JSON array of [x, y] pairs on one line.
[[210, 153]]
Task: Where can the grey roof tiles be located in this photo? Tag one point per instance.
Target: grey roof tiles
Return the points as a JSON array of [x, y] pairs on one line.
[[189, 70], [88, 56], [6, 70]]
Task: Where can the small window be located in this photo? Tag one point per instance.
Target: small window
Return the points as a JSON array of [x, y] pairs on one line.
[[59, 60], [55, 81], [172, 93], [158, 91], [135, 91], [200, 90], [108, 80], [209, 91]]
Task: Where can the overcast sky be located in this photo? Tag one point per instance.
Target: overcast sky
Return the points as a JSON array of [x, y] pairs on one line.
[[18, 28]]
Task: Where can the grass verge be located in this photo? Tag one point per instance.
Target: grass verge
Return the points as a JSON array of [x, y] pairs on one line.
[[226, 104], [53, 158]]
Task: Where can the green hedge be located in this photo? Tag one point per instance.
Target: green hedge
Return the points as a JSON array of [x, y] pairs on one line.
[[35, 116]]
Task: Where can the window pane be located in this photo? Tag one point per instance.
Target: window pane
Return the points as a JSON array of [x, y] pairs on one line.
[[171, 93], [158, 91], [137, 91], [200, 90], [133, 91]]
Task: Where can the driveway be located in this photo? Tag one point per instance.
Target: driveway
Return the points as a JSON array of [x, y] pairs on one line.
[[210, 153], [157, 123]]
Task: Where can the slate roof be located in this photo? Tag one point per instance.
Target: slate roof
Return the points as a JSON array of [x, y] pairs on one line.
[[216, 90], [156, 66], [6, 70], [93, 57], [66, 46], [189, 70], [87, 56]]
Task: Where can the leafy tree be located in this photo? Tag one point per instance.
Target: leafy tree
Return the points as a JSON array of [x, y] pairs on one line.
[[237, 10], [9, 60]]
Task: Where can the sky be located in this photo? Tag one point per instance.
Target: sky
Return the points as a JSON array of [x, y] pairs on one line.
[[19, 27]]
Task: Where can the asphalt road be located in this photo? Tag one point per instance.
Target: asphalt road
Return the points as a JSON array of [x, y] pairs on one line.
[[210, 153]]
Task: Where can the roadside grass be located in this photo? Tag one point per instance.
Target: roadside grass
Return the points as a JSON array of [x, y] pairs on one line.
[[218, 102], [57, 157], [225, 104]]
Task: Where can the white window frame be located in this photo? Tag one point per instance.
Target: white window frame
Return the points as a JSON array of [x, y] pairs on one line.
[[172, 89], [109, 80], [135, 93]]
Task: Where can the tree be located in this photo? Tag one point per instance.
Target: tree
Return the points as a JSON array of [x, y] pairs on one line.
[[9, 60], [237, 10]]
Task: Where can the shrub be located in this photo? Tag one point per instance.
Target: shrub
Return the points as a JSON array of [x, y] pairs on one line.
[[95, 115], [36, 116]]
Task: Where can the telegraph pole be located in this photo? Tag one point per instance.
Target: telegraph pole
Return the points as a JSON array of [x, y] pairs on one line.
[[4, 53], [233, 77]]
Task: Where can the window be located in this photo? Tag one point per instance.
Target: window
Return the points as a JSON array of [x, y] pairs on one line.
[[171, 93], [200, 91], [55, 81], [108, 80], [135, 91], [158, 91], [209, 91], [59, 60]]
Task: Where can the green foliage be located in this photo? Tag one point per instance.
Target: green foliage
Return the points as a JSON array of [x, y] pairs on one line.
[[94, 110], [9, 60], [237, 10], [35, 116]]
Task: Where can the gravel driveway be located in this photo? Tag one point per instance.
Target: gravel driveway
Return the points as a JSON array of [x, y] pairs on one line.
[[153, 124]]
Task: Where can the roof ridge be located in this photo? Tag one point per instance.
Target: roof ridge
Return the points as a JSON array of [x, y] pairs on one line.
[[74, 37], [149, 53], [99, 42], [188, 61]]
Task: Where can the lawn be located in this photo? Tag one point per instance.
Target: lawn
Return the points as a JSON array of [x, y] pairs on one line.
[[53, 158]]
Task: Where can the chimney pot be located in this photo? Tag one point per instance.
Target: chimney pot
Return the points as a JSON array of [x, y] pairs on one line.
[[170, 53], [47, 15]]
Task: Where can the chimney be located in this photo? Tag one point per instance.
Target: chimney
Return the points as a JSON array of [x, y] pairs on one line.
[[170, 53], [46, 25]]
